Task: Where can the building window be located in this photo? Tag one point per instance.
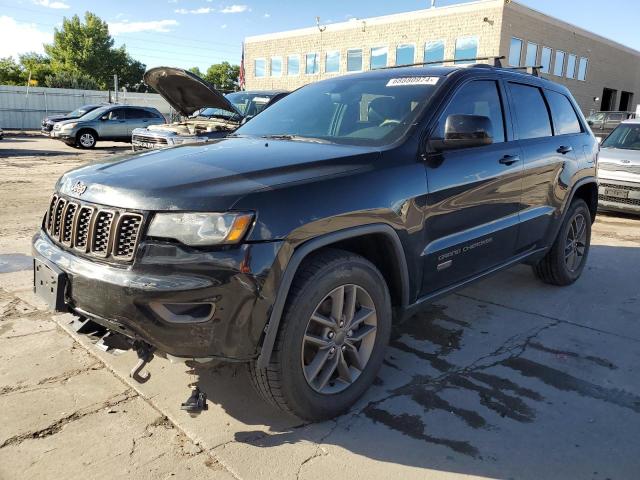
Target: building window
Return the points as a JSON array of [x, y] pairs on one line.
[[405, 54], [293, 65], [354, 60], [545, 60], [332, 62], [571, 66], [379, 57], [532, 55], [276, 66], [260, 67], [515, 52], [466, 49], [434, 52], [582, 69], [558, 66], [312, 67]]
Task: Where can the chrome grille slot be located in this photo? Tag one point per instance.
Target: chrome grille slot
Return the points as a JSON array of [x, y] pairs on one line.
[[83, 223], [68, 218], [57, 218], [50, 213], [126, 237], [101, 235]]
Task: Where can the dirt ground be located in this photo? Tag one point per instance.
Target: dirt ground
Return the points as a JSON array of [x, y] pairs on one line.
[[509, 378]]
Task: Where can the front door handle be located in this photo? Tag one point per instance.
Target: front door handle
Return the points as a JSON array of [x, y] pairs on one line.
[[564, 149], [509, 159]]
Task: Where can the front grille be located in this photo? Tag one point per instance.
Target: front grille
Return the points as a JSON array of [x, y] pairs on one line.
[[621, 187], [93, 230], [150, 139], [625, 201]]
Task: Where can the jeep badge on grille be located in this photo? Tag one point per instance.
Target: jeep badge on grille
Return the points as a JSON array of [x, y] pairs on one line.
[[79, 188]]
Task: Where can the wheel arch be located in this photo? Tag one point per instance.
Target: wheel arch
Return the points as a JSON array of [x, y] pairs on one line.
[[587, 191], [363, 240]]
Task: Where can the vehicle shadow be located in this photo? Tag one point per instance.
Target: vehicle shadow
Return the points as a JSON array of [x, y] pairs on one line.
[[508, 378]]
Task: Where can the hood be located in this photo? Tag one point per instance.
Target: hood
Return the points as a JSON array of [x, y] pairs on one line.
[[185, 91], [211, 176], [620, 156], [57, 118]]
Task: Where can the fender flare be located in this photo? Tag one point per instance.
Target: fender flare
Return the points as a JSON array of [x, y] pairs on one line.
[[302, 252]]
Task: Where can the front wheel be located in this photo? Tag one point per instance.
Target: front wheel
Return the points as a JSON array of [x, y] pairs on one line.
[[563, 264], [86, 139], [332, 337]]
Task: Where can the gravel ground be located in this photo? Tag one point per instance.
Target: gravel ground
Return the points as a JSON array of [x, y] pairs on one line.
[[507, 379]]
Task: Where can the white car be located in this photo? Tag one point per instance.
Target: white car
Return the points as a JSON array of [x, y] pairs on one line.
[[619, 169]]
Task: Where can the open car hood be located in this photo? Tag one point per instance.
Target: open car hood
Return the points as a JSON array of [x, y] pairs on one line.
[[185, 91]]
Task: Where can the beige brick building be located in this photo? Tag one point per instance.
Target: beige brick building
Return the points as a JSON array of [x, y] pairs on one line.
[[601, 74]]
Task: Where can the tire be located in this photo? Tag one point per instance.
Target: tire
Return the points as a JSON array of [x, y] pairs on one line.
[[555, 268], [322, 277], [86, 139]]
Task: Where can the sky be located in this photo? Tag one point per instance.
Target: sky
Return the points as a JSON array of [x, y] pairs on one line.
[[187, 33]]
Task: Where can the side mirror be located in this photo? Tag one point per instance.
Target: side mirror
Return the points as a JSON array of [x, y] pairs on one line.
[[104, 117], [464, 131]]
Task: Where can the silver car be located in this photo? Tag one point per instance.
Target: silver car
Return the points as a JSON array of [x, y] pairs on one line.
[[619, 169], [115, 123]]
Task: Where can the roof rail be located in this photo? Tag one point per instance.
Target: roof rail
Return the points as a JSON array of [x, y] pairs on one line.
[[496, 62], [531, 70]]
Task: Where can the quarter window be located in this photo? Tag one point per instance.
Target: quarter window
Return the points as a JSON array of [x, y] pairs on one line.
[[515, 52], [379, 57], [405, 54], [293, 65], [532, 55], [354, 60], [545, 60], [434, 52], [480, 97], [312, 66], [260, 67], [582, 69], [565, 120], [332, 62], [276, 67], [571, 66], [531, 112], [558, 66], [466, 49]]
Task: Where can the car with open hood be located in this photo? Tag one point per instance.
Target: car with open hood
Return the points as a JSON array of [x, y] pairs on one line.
[[207, 113], [49, 121], [293, 243]]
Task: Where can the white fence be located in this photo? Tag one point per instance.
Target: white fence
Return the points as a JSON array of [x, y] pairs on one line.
[[24, 108]]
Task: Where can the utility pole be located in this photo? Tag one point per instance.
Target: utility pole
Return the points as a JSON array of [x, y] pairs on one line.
[[115, 86]]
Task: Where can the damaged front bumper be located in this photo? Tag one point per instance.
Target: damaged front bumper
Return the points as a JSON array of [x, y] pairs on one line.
[[185, 302]]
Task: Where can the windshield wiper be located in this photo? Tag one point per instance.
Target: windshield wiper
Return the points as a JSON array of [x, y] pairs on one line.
[[296, 138]]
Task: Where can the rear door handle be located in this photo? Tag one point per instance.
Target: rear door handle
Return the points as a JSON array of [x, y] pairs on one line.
[[509, 159], [564, 149]]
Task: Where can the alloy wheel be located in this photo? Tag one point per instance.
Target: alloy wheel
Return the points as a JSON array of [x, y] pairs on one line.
[[87, 140], [339, 339], [576, 243]]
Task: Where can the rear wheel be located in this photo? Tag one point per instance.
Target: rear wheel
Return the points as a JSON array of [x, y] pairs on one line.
[[86, 139], [563, 264], [332, 337]]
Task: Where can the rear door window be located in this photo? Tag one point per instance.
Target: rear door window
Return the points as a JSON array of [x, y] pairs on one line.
[[565, 120], [117, 114], [531, 111], [479, 97]]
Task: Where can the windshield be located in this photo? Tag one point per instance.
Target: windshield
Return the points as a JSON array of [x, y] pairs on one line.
[[375, 111], [596, 117], [78, 112], [93, 114], [625, 136], [248, 104]]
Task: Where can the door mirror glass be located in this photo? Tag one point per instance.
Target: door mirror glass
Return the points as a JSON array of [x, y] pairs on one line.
[[464, 131], [104, 117]]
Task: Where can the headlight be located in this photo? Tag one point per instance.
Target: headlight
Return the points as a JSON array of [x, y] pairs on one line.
[[198, 229], [70, 125], [183, 140]]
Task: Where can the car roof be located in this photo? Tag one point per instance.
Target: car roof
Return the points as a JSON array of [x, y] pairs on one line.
[[632, 120]]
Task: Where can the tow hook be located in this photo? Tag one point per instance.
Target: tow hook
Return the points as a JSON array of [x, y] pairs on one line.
[[145, 355], [197, 401]]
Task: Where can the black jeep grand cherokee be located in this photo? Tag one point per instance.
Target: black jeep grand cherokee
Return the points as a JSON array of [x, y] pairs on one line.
[[351, 203]]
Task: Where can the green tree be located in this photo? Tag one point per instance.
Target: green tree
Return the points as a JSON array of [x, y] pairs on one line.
[[223, 76], [71, 80], [197, 71], [10, 72], [86, 49], [39, 66]]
